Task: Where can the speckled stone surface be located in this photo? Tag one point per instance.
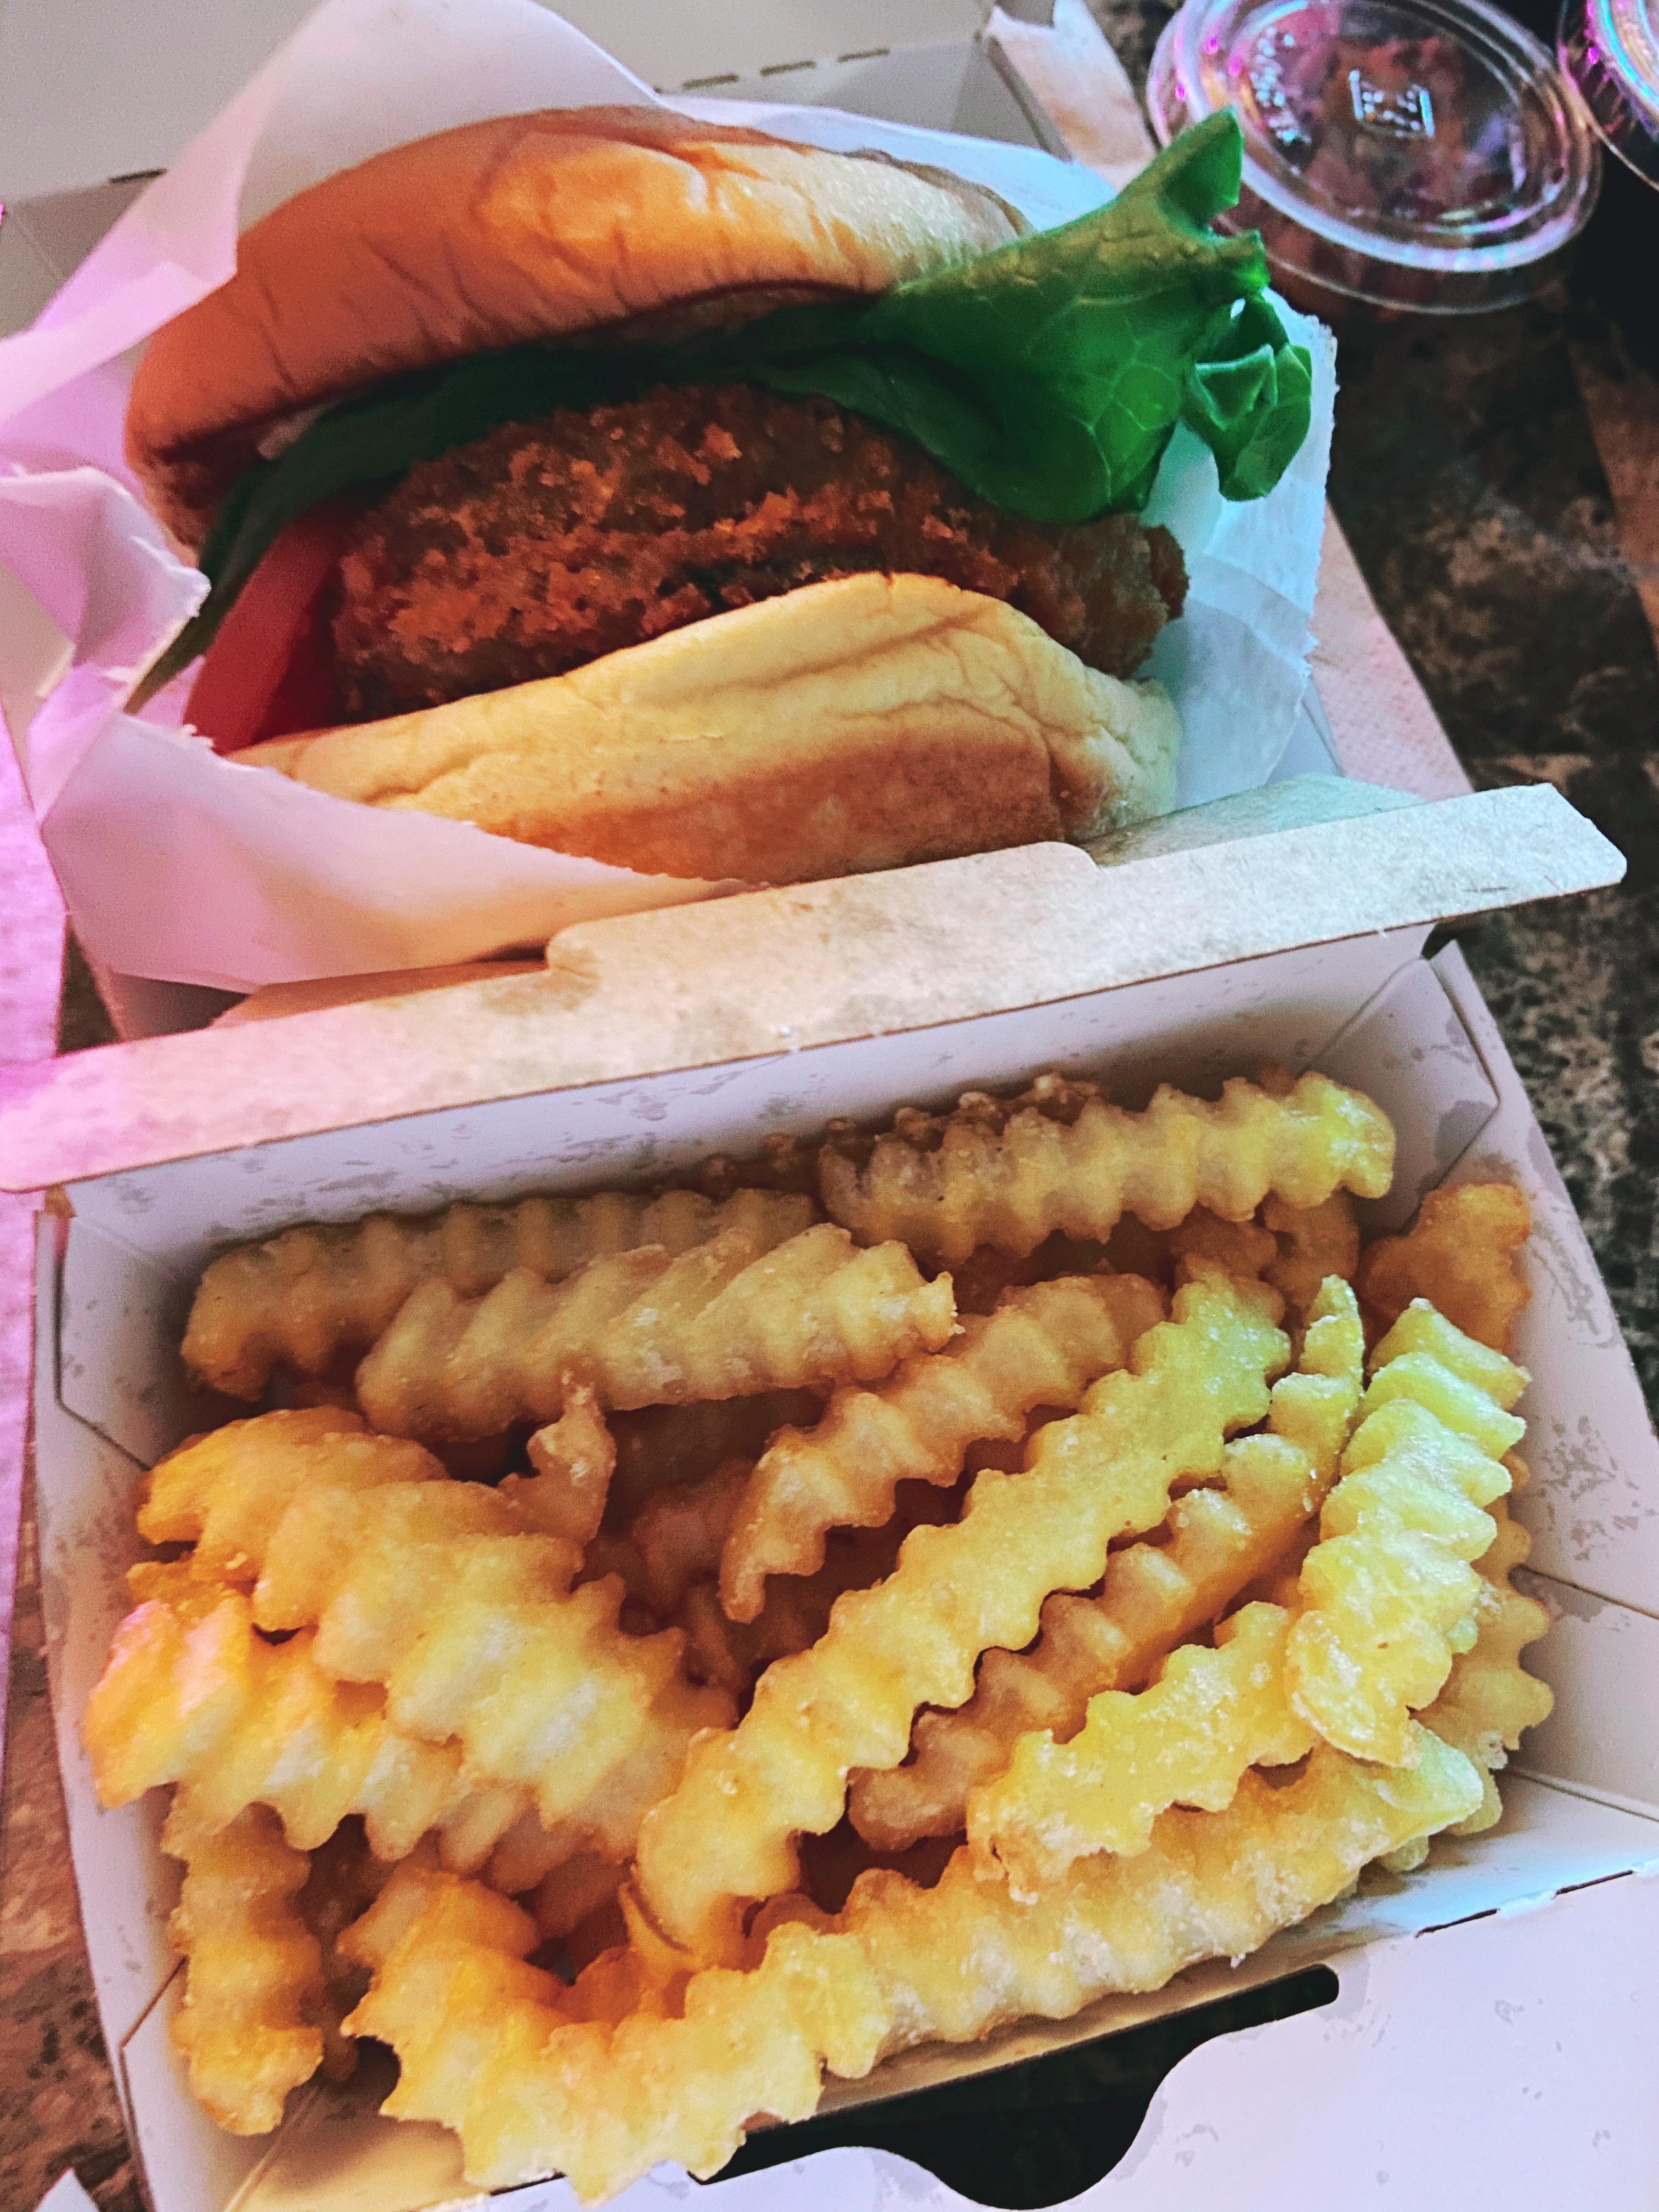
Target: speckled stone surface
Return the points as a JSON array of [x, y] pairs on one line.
[[1468, 480], [58, 2106]]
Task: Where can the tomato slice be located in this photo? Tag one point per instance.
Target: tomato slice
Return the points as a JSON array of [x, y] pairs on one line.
[[269, 670]]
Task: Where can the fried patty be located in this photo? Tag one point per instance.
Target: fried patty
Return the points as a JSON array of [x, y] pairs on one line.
[[544, 545]]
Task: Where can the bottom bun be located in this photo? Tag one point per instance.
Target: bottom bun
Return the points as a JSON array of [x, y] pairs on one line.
[[864, 723]]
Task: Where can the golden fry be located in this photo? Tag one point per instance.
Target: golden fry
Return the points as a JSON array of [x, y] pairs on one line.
[[501, 2054], [1155, 1594], [726, 1320], [727, 1833], [797, 1611], [469, 1622], [490, 2048], [1462, 1255], [1042, 1346], [191, 1694], [1012, 1185], [226, 1492], [302, 1297], [249, 2027], [1239, 1248]]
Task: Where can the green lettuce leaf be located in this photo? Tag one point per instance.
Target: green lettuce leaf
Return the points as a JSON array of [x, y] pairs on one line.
[[1048, 375]]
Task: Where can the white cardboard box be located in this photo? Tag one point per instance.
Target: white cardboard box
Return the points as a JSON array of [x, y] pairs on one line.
[[656, 1039]]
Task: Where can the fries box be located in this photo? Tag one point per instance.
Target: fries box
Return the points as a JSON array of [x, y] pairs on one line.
[[1188, 951]]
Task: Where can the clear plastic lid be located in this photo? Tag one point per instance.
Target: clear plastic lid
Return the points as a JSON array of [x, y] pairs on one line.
[[1413, 153], [1609, 49]]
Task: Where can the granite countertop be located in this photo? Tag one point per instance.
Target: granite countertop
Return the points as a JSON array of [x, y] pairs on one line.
[[1498, 481]]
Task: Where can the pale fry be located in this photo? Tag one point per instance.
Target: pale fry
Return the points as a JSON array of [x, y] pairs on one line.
[[226, 1492], [1211, 1885], [727, 1833], [1462, 1255], [1155, 1595], [191, 1695], [1012, 1185], [302, 1297], [726, 1320], [469, 1622], [248, 2028], [1042, 1345], [502, 2054], [1489, 1700], [1187, 1740], [1388, 1596]]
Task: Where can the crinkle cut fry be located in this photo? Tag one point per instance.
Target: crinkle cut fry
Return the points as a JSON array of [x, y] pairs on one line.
[[1461, 1254], [1489, 1700], [663, 1447], [964, 1957], [413, 1586], [488, 2046], [191, 1695], [1189, 1739], [438, 1593], [248, 2028], [727, 1833], [797, 1611], [1389, 1596], [574, 1459], [302, 1297], [1221, 1539], [1014, 1186], [226, 1492], [1042, 1346], [501, 2054], [1315, 1242], [673, 1541], [730, 1318]]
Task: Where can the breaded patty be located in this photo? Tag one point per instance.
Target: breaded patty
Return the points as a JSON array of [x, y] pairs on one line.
[[544, 545]]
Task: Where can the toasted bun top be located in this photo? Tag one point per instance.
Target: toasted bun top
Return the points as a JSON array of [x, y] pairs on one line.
[[524, 227]]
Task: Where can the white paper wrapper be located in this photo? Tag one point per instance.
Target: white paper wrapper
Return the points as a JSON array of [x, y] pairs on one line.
[[179, 865]]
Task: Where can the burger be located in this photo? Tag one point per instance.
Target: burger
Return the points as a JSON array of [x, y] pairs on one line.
[[703, 503]]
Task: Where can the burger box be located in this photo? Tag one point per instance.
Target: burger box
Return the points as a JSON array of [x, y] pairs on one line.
[[1201, 947], [94, 96]]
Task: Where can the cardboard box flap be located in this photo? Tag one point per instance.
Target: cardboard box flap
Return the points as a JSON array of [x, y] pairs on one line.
[[746, 978]]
